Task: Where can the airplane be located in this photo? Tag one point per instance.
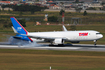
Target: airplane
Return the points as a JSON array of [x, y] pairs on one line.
[[54, 37], [36, 40]]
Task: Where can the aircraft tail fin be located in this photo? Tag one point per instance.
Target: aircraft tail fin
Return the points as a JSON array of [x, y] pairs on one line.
[[17, 26], [21, 32]]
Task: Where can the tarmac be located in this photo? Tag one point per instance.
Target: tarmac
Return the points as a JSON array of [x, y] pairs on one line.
[[69, 47]]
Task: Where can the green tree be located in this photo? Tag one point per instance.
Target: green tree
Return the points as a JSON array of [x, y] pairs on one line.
[[23, 22], [24, 8], [61, 11], [77, 1], [3, 6], [103, 3], [78, 9], [6, 25], [33, 9], [20, 13], [10, 24], [53, 19], [85, 13], [73, 27], [9, 10], [37, 0]]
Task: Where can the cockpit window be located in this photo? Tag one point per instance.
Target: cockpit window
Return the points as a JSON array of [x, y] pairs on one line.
[[98, 33]]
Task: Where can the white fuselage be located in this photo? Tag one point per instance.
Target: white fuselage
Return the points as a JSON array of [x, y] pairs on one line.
[[69, 35]]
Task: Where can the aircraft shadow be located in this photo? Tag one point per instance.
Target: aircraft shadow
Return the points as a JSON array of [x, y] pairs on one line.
[[74, 45]]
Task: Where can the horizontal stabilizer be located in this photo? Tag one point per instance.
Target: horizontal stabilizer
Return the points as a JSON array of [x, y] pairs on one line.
[[17, 37]]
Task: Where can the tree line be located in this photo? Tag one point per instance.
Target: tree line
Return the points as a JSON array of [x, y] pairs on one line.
[[24, 8]]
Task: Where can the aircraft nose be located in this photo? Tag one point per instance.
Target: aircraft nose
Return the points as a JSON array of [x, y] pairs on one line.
[[100, 35]]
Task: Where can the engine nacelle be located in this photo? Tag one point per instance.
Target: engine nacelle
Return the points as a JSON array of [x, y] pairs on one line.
[[58, 41]]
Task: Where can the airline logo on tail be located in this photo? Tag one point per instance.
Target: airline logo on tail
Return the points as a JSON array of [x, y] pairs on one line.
[[19, 28], [83, 34]]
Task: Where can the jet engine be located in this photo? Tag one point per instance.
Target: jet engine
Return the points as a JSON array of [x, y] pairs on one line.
[[58, 41]]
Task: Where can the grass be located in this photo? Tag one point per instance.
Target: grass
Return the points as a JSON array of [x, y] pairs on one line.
[[17, 59]]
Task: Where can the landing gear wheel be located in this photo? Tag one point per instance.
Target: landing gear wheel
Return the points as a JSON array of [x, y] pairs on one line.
[[95, 43], [61, 44]]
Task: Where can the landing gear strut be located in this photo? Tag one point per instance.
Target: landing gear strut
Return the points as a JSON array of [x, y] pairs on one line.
[[95, 42], [51, 44]]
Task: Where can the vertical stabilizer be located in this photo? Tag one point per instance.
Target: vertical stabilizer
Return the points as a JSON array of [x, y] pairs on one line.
[[17, 26], [20, 30]]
